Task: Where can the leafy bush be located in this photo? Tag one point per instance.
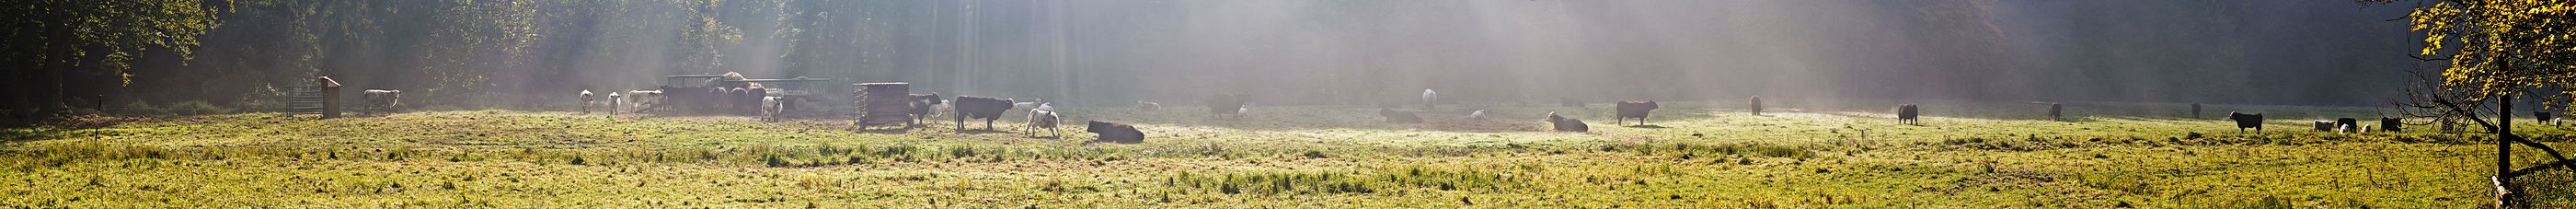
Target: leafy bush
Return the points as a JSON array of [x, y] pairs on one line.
[[138, 107], [193, 107]]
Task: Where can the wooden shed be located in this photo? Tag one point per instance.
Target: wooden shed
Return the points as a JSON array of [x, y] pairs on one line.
[[884, 104]]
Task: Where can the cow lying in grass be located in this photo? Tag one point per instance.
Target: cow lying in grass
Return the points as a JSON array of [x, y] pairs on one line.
[[1114, 132], [1561, 123]]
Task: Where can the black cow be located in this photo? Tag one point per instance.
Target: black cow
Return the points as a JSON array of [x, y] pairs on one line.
[[2244, 121], [1114, 132], [1757, 105], [1635, 109], [2054, 111], [985, 108], [2543, 116], [921, 105], [2390, 124], [1908, 114], [2347, 125]]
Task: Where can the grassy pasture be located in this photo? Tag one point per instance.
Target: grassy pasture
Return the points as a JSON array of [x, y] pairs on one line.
[[1706, 154]]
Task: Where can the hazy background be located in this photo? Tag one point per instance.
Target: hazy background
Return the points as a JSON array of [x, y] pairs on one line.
[[532, 54]]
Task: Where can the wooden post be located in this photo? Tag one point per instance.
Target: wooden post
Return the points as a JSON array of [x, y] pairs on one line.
[[330, 96]]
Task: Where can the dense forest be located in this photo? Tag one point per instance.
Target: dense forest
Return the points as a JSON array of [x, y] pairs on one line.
[[530, 54]]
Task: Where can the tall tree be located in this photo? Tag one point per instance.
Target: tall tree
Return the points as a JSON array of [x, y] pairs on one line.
[[52, 42], [2496, 50]]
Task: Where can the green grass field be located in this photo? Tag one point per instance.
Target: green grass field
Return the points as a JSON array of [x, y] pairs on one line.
[[1695, 155]]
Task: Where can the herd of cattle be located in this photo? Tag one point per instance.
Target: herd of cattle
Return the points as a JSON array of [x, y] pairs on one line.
[[717, 96]]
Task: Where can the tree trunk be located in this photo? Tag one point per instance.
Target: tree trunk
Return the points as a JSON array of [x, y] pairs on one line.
[[2504, 148]]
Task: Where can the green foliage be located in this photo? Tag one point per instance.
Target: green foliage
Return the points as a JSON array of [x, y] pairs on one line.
[[139, 107], [193, 107], [2501, 46]]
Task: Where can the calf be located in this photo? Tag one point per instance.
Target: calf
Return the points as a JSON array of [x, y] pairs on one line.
[[1635, 109], [2325, 126], [2244, 121], [1041, 119]]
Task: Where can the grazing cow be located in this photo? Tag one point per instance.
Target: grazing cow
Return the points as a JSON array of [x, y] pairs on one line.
[[644, 101], [1041, 119], [2053, 112], [985, 108], [1635, 109], [2391, 125], [1908, 114], [2195, 110], [1229, 104], [382, 99], [1394, 116], [1757, 105], [2324, 126], [2543, 117], [1148, 106], [1478, 114], [2244, 121], [1430, 99], [2347, 125], [1561, 123], [586, 102], [770, 106], [921, 106], [613, 99], [1114, 132]]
